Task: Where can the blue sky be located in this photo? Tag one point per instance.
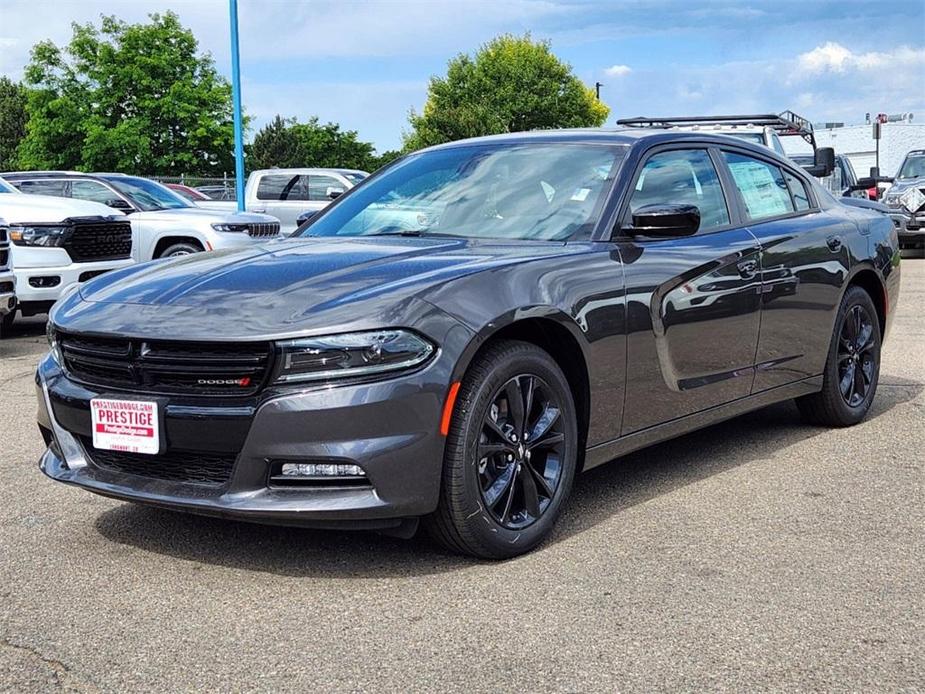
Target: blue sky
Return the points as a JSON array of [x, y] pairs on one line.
[[365, 64]]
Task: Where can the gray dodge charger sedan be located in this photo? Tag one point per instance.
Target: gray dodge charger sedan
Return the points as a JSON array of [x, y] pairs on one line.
[[454, 339]]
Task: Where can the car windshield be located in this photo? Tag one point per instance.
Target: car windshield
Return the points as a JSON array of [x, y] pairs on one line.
[[6, 187], [500, 191], [913, 167], [146, 194]]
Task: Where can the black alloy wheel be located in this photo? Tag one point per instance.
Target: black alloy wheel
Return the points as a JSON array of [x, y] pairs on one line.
[[510, 454], [852, 369], [520, 452], [856, 356]]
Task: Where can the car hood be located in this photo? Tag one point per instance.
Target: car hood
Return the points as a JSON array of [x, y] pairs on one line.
[[20, 209], [200, 214], [283, 288], [901, 186]]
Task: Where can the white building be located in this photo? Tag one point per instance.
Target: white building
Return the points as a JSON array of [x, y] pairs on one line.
[[857, 142]]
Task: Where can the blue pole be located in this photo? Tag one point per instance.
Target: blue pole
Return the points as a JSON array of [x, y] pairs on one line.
[[236, 106]]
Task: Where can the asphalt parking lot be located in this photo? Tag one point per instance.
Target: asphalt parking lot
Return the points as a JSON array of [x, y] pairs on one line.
[[759, 554]]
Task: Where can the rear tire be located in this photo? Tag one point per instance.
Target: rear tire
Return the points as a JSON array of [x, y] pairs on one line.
[[6, 323], [852, 369], [508, 467], [179, 249]]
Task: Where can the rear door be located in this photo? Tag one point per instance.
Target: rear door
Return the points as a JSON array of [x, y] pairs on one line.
[[692, 302], [804, 265]]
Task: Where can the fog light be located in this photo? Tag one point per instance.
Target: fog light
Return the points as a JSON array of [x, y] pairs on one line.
[[296, 470]]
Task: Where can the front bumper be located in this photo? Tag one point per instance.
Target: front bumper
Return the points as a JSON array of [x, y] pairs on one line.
[[7, 292], [67, 274], [390, 428], [908, 225]]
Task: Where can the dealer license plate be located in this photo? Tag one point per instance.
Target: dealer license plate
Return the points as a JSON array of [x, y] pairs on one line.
[[131, 426]]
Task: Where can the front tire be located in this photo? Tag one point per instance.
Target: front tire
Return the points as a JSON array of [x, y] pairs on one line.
[[511, 454], [6, 323], [178, 249], [852, 369]]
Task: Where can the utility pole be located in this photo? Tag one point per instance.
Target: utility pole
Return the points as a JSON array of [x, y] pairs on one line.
[[236, 107], [597, 90]]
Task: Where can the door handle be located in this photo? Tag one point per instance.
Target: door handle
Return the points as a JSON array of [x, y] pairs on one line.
[[747, 268], [834, 243]]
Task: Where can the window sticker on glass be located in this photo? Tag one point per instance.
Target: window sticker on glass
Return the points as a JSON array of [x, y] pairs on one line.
[[581, 194], [762, 194]]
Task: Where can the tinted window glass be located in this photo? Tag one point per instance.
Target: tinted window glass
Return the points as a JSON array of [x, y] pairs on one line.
[[682, 177], [56, 188], [92, 191], [798, 191], [535, 191], [319, 186], [283, 187], [762, 186], [147, 194]]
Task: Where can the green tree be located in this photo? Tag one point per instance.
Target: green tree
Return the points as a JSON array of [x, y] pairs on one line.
[[13, 99], [285, 142], [138, 98], [512, 84]]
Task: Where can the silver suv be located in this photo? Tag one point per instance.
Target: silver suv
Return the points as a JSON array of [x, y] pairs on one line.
[[166, 223]]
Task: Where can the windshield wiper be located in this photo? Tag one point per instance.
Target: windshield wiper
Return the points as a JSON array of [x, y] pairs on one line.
[[412, 232]]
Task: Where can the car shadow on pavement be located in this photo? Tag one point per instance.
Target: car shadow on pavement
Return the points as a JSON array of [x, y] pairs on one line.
[[598, 495]]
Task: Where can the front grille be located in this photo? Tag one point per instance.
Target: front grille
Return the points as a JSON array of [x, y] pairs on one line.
[[263, 229], [4, 258], [153, 366], [192, 467], [6, 287], [90, 241], [4, 235]]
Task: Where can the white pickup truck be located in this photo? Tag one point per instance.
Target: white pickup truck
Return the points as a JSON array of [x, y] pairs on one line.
[[57, 243], [288, 193], [7, 278]]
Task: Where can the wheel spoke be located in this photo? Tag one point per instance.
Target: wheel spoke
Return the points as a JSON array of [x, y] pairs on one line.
[[501, 484], [865, 338], [549, 441], [531, 496], [548, 417], [846, 384], [867, 368], [529, 395], [860, 389], [505, 514], [495, 428], [515, 403], [546, 489]]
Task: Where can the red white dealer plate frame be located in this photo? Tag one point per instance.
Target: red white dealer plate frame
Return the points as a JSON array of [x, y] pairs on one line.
[[131, 426]]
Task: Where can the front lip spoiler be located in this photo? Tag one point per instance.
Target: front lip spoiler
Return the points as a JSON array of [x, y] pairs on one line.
[[346, 508]]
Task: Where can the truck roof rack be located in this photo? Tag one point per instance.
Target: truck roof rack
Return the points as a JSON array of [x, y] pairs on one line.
[[784, 124]]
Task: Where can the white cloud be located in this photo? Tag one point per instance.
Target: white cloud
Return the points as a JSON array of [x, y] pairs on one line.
[[833, 57], [618, 70]]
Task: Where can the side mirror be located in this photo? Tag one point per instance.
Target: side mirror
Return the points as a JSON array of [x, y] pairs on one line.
[[665, 221], [823, 163], [334, 192], [870, 182], [304, 217], [119, 204]]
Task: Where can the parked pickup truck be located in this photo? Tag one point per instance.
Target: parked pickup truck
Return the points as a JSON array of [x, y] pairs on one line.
[[289, 193], [58, 243], [7, 278], [166, 223]]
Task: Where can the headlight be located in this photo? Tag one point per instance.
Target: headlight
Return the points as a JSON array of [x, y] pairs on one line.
[[350, 354], [51, 235], [230, 227], [53, 345]]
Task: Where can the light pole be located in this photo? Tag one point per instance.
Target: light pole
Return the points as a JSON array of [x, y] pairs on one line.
[[236, 107], [597, 90]]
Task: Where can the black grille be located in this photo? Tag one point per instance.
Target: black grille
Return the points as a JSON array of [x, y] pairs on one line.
[[6, 287], [194, 467], [3, 235], [195, 368], [4, 258], [263, 229], [99, 241]]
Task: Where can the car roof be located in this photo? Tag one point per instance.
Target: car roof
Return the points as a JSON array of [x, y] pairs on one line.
[[308, 170]]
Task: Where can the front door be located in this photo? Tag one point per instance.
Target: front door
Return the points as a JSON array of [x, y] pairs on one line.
[[692, 302]]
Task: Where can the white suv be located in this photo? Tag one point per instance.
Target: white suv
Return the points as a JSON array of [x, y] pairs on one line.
[[166, 224], [58, 243]]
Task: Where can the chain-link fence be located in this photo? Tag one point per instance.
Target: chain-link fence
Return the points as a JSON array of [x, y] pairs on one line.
[[216, 187]]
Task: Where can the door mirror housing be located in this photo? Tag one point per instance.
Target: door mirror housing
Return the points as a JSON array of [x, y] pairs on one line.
[[665, 221], [823, 163], [333, 192], [120, 204]]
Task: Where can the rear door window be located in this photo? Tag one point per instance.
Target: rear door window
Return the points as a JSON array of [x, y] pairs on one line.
[[283, 187], [761, 185], [57, 188], [797, 191]]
